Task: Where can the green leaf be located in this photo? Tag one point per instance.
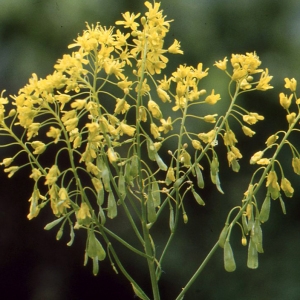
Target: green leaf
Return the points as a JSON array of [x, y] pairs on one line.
[[229, 262], [53, 223]]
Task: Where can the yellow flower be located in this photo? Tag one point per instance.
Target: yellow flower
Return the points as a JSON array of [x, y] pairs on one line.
[[97, 184], [175, 48], [38, 147], [291, 118], [247, 131], [166, 125], [196, 144], [199, 73], [36, 174], [154, 130], [222, 64], [290, 84], [112, 156], [127, 129], [271, 140], [210, 118], [52, 175], [252, 118], [285, 102], [263, 83], [236, 152], [54, 133], [229, 138], [129, 21], [155, 110], [11, 170], [256, 157], [121, 106], [296, 165], [212, 98], [163, 95], [32, 130], [263, 161], [83, 211], [287, 187], [170, 175], [185, 158], [207, 137], [7, 161]]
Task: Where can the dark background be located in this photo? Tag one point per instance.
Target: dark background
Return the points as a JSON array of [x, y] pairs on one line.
[[33, 265]]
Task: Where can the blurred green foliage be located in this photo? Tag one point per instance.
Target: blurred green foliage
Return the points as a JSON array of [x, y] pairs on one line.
[[35, 33]]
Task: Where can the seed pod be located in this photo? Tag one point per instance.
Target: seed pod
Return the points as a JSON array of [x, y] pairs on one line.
[[160, 162], [72, 235], [121, 186], [245, 224], [282, 205], [178, 182], [265, 209], [151, 213], [229, 262], [134, 166], [59, 233], [198, 198], [102, 216], [151, 149], [111, 206], [95, 266], [156, 193], [256, 235], [252, 261], [223, 235], [200, 181], [94, 247], [52, 224], [171, 220], [235, 165], [127, 174]]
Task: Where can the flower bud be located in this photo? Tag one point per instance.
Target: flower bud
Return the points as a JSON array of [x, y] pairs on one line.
[[255, 157]]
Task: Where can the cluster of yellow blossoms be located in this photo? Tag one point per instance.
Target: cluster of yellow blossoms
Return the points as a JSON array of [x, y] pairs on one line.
[[99, 111]]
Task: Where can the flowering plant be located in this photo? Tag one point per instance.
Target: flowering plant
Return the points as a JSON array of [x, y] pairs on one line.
[[107, 131]]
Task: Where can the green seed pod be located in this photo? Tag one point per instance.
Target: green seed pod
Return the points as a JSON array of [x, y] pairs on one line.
[[160, 162], [151, 213], [214, 166], [223, 235], [151, 149], [265, 209], [156, 193], [59, 233], [229, 262], [111, 206], [52, 224], [178, 182], [252, 261], [102, 216], [127, 174], [198, 198], [72, 235], [94, 248], [121, 186], [200, 181], [235, 165], [172, 220], [134, 166], [256, 235], [245, 224], [282, 205], [95, 266]]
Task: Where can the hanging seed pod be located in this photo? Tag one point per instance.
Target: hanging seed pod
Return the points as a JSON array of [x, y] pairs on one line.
[[252, 261], [102, 216], [134, 166], [223, 235], [200, 181], [121, 186], [156, 193], [282, 205], [235, 165], [172, 220], [178, 182], [151, 149], [59, 233], [160, 162], [72, 235], [151, 213], [245, 224], [111, 206], [95, 266], [52, 224], [256, 235], [265, 210], [198, 198], [94, 247], [127, 174], [229, 262]]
